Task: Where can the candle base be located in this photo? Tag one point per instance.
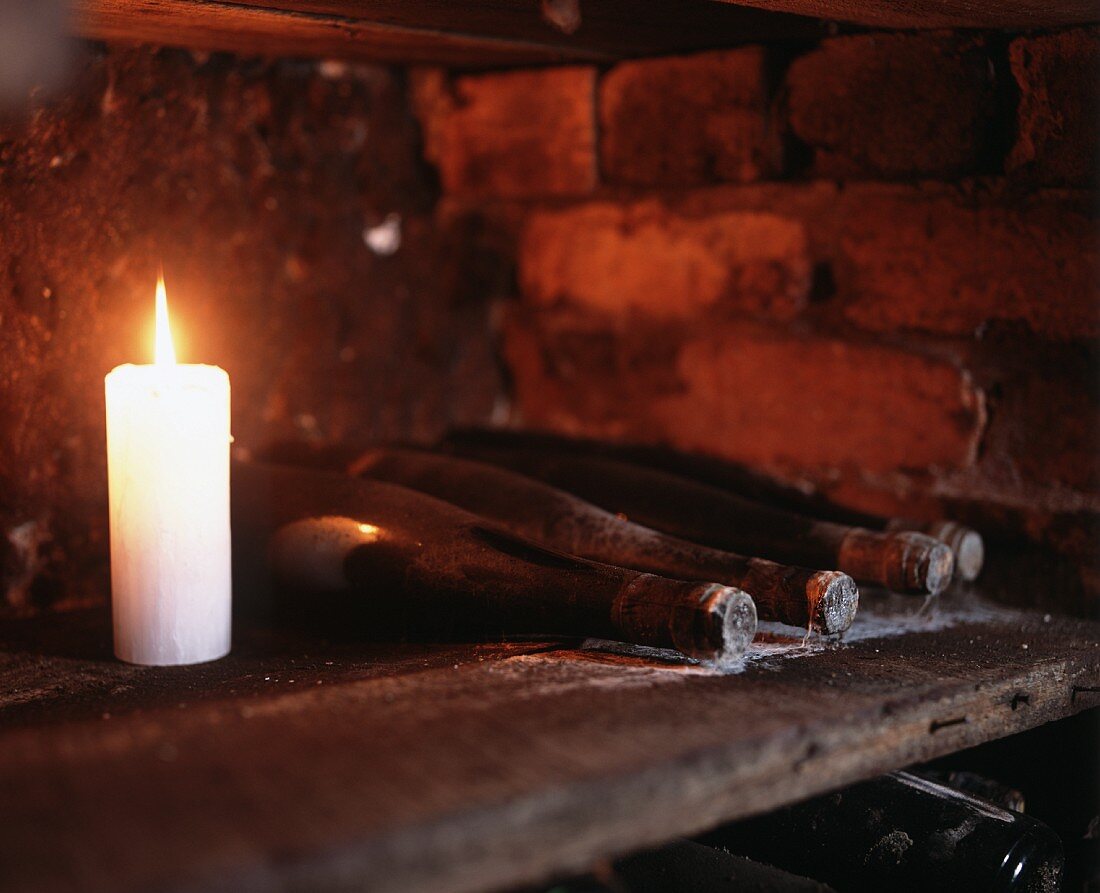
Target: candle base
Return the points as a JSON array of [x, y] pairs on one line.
[[164, 639], [145, 659]]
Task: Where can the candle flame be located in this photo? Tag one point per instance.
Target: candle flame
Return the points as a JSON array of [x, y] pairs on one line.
[[165, 352]]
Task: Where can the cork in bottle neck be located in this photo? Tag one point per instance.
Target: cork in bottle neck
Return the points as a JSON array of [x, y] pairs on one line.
[[903, 562]]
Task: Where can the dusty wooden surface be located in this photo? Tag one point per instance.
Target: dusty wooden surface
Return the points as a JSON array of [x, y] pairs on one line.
[[300, 764], [481, 34]]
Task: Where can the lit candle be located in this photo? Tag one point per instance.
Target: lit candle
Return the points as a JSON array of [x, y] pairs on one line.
[[168, 477]]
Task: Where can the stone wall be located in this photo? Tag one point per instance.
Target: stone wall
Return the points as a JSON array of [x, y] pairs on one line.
[[292, 212]]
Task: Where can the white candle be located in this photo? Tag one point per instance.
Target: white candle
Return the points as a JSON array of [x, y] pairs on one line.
[[168, 477]]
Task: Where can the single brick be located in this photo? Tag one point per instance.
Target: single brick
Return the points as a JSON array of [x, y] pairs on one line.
[[520, 134], [623, 258], [910, 259], [1052, 431], [1058, 117], [688, 120], [1043, 428], [893, 105], [783, 400], [769, 398]]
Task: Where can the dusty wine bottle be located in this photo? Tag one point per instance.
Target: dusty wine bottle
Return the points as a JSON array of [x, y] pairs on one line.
[[823, 600], [903, 833], [429, 566], [965, 542], [685, 865], [903, 561]]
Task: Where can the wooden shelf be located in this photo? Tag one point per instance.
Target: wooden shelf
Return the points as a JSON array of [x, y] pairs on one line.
[[297, 764], [1015, 14], [484, 34], [494, 33]]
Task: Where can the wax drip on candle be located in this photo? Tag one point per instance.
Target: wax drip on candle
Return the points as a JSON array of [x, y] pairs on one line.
[[165, 351]]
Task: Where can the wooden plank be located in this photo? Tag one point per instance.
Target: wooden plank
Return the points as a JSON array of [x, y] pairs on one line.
[[496, 33], [619, 28], [464, 768], [490, 33], [1014, 14], [270, 31]]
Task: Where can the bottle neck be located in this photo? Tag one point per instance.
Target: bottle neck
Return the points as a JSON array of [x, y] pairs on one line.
[[706, 621]]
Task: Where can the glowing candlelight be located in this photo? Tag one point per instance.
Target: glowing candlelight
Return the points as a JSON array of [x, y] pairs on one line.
[[168, 474]]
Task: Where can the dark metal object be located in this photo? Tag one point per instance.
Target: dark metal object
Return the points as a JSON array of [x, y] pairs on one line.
[[825, 600], [901, 832], [410, 562]]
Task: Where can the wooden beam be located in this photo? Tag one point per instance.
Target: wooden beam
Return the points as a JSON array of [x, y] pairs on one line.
[[490, 33], [500, 33], [1012, 14], [269, 31]]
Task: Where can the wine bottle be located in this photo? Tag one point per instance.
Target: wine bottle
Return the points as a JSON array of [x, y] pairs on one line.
[[686, 865], [903, 561], [965, 542], [904, 833], [428, 566], [823, 600], [679, 866]]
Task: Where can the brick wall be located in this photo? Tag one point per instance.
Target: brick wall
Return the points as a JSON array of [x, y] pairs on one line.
[[870, 266]]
